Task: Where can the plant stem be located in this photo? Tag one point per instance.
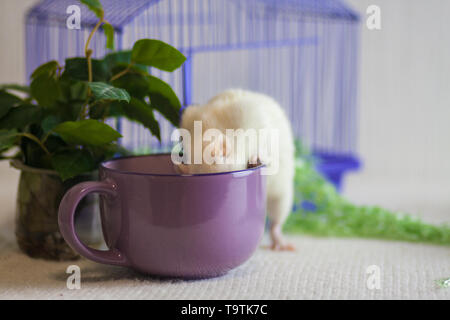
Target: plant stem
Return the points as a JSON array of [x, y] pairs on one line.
[[122, 73], [88, 51], [44, 139], [35, 139]]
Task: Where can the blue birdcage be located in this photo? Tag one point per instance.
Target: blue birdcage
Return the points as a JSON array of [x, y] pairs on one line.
[[304, 53]]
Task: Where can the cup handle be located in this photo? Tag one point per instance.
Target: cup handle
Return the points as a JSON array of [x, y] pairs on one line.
[[66, 221]]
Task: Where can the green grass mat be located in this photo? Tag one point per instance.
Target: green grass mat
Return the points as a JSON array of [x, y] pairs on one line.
[[337, 217]]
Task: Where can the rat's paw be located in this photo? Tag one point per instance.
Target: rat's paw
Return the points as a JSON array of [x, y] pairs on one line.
[[283, 247], [278, 241]]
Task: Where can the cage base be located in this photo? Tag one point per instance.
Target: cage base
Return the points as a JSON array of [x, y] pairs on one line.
[[334, 166]]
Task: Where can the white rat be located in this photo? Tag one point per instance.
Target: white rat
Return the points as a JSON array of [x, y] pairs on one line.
[[240, 109]]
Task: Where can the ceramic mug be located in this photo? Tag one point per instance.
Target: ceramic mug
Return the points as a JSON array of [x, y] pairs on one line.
[[162, 223]]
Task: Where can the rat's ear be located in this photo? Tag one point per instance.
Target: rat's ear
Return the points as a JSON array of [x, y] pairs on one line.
[[188, 115], [222, 147]]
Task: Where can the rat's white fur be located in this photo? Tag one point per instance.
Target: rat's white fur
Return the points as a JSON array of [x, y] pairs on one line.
[[239, 109]]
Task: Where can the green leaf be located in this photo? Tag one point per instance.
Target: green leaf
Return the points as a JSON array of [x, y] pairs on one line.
[[79, 91], [77, 69], [54, 143], [139, 111], [109, 33], [121, 58], [49, 122], [46, 90], [86, 132], [95, 6], [134, 82], [48, 69], [20, 117], [7, 139], [64, 88], [69, 111], [7, 102], [71, 163], [113, 58], [157, 54], [108, 151], [164, 100], [103, 91]]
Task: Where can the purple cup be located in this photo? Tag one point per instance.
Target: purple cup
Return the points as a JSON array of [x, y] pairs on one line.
[[161, 223]]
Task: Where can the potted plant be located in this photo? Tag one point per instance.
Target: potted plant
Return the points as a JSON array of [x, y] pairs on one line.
[[57, 126]]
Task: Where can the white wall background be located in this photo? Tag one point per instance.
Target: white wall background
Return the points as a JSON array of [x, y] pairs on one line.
[[12, 39], [405, 90], [404, 93]]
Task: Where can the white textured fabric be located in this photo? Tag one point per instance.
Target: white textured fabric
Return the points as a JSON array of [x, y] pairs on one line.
[[320, 269]]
